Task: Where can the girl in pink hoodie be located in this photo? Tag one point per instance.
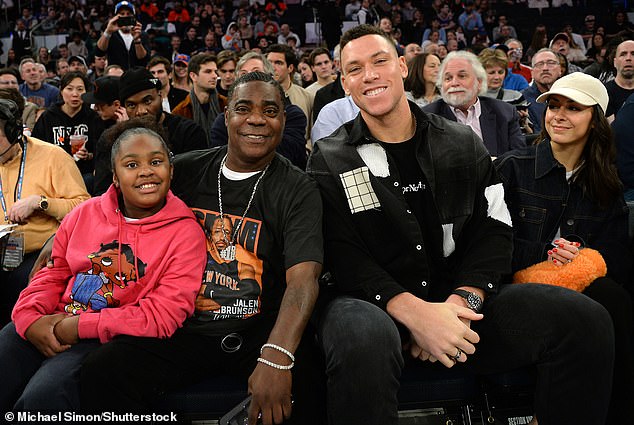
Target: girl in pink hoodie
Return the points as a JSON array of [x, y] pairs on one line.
[[127, 263]]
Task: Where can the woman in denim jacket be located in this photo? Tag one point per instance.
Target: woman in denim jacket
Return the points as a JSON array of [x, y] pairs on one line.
[[564, 193]]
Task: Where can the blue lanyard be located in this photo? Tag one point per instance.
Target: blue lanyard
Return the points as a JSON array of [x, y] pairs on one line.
[[18, 184]]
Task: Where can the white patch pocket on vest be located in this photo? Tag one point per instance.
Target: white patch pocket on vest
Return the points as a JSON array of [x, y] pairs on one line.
[[448, 244], [358, 190]]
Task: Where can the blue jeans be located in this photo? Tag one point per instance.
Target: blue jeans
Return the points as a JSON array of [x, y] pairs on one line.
[[567, 336], [30, 381]]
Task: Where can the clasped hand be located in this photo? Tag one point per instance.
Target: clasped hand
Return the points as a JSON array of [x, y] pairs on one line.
[[564, 251], [441, 332]]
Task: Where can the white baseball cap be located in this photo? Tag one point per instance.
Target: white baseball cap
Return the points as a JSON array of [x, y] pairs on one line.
[[582, 88]]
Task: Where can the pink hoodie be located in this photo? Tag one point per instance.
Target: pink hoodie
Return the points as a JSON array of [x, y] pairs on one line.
[[98, 257]]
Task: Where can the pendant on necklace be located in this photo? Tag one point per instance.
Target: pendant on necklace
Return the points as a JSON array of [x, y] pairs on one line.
[[229, 253]]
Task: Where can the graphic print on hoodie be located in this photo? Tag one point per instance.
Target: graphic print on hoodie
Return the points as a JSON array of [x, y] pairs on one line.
[[113, 267]]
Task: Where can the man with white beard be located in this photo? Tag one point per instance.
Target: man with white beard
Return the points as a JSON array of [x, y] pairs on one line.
[[461, 80]]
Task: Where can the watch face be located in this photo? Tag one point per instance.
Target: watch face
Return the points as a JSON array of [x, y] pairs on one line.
[[474, 302]]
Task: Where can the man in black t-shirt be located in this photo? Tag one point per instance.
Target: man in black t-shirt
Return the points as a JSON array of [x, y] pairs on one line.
[[262, 217], [139, 95], [622, 86]]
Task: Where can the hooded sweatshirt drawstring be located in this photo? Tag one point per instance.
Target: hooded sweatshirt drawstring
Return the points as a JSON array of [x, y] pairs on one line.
[[136, 244]]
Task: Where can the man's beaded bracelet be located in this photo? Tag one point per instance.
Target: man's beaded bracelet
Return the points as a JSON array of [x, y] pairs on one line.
[[278, 348], [275, 365]]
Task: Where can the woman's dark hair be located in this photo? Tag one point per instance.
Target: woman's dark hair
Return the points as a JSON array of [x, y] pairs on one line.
[[597, 173], [538, 39], [415, 80], [144, 125], [70, 76]]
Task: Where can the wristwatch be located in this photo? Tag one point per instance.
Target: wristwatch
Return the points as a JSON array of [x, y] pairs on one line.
[[43, 205], [474, 302]]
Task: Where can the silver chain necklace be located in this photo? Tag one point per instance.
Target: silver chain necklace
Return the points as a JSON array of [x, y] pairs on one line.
[[229, 253]]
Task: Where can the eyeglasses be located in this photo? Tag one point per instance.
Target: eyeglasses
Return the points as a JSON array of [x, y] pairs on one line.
[[543, 64]]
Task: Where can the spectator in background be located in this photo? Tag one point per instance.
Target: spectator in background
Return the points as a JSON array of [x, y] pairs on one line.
[[191, 42], [622, 86], [33, 88], [597, 42], [623, 127], [495, 63], [504, 30], [12, 60], [202, 104], [180, 79], [21, 39], [589, 28], [44, 57], [210, 45], [175, 44], [462, 86], [367, 14], [435, 32], [305, 71], [515, 54], [445, 18], [246, 32], [51, 186], [170, 95], [619, 26], [105, 101], [9, 80], [179, 15], [321, 64], [139, 94], [538, 42], [78, 64], [561, 44], [285, 32], [422, 75], [511, 81], [470, 20], [411, 50], [575, 40], [125, 45], [546, 70], [77, 46], [72, 117], [226, 61], [231, 40]]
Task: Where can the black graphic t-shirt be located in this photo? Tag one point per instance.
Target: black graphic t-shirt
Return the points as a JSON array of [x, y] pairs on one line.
[[282, 228], [416, 189]]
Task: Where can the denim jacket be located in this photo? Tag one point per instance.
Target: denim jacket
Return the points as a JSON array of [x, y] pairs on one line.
[[374, 243], [541, 201]]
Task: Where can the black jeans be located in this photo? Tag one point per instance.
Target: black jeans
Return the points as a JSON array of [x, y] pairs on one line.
[[138, 370], [567, 336], [618, 303]]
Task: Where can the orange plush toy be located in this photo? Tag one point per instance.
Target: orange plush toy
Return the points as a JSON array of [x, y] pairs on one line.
[[577, 275]]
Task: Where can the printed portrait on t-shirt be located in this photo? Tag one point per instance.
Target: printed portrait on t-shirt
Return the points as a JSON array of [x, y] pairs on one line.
[[232, 282]]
